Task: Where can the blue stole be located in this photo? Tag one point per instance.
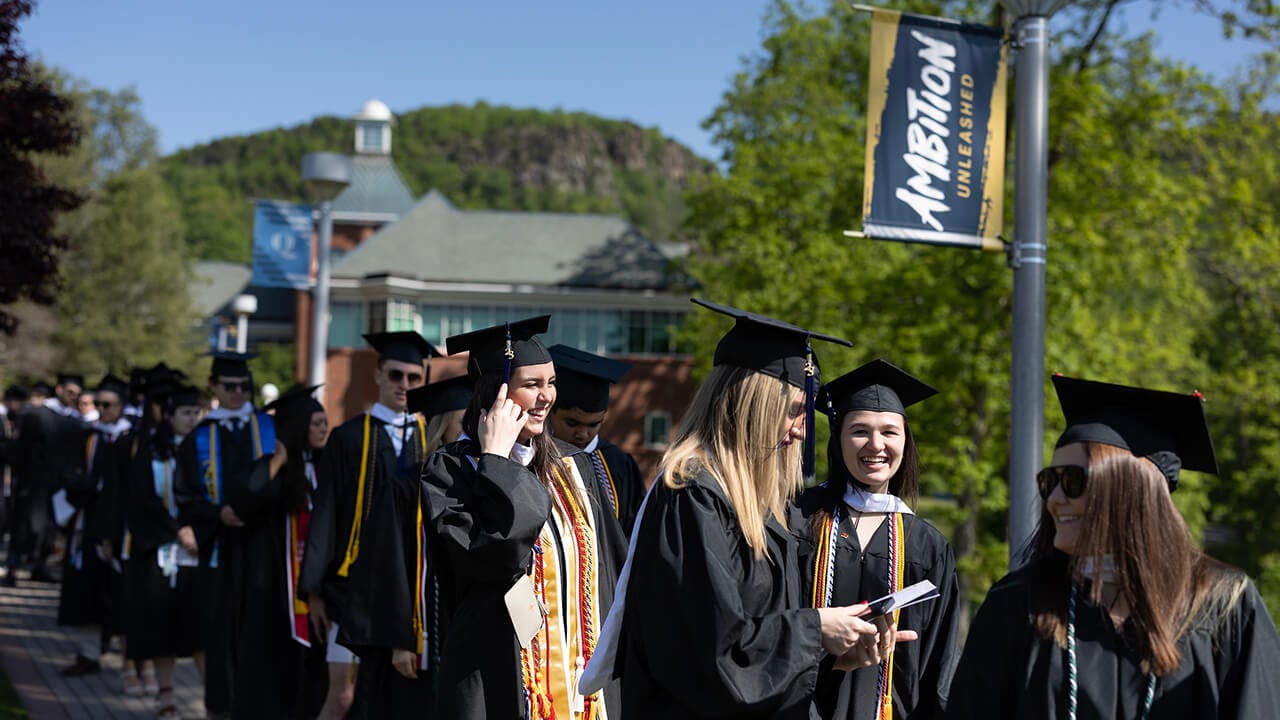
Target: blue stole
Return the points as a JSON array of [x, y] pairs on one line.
[[209, 461]]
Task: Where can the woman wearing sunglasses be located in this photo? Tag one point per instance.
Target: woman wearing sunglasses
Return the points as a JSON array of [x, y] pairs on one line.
[[1117, 614]]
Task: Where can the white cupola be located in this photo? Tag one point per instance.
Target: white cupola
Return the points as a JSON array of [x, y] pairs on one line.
[[373, 129]]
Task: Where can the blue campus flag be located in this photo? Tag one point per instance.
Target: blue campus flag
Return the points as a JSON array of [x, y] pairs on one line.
[[282, 245], [935, 132]]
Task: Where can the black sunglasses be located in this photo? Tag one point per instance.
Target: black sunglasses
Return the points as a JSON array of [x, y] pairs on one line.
[[242, 385], [1072, 477], [397, 375]]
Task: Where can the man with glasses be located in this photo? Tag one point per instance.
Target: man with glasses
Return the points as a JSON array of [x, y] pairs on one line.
[[360, 571], [211, 485], [66, 395], [94, 537]]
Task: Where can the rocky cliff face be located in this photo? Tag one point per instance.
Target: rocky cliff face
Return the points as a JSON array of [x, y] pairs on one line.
[[480, 157]]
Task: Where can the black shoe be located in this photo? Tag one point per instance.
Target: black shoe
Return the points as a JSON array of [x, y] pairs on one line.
[[82, 666]]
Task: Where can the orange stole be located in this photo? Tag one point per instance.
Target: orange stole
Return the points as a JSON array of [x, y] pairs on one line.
[[557, 655]]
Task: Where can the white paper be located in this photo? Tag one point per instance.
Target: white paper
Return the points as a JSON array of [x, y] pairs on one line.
[[906, 597], [62, 508], [525, 610]]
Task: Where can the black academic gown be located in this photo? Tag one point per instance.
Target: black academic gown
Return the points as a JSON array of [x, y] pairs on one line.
[[1228, 669], [710, 631], [628, 483], [50, 455], [484, 522], [268, 661], [374, 604], [226, 581], [84, 597], [165, 616], [922, 669]]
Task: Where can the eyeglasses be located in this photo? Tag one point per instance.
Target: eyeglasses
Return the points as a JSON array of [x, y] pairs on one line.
[[1072, 477], [104, 404], [243, 385], [396, 376]]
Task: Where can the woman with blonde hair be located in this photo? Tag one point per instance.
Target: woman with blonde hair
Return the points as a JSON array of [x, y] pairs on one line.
[[713, 624], [1117, 614]]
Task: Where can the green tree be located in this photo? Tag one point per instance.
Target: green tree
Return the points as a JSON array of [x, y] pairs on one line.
[[125, 275], [1126, 301]]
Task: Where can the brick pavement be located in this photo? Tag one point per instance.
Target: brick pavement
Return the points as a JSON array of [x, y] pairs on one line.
[[34, 649]]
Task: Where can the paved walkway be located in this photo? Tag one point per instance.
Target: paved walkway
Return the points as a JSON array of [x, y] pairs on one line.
[[34, 649]]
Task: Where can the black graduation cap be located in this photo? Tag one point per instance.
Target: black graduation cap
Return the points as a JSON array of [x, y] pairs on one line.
[[17, 393], [495, 350], [442, 397], [778, 349], [177, 396], [773, 347], [878, 385], [296, 400], [67, 378], [1169, 428], [42, 388], [137, 380], [583, 379], [161, 379], [404, 346], [111, 383], [230, 364]]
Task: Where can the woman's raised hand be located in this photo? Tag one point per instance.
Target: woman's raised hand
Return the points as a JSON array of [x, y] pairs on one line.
[[501, 424]]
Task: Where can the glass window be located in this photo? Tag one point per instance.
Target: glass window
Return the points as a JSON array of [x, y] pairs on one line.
[[346, 324], [402, 315], [657, 429], [377, 316], [371, 137]]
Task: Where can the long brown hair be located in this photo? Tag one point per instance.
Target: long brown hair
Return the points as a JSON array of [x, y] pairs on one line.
[[733, 430], [1166, 581]]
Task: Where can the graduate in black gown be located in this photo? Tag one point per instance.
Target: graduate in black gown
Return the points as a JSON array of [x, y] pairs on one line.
[[1117, 614], [863, 514], [709, 620], [284, 498], [582, 406], [363, 570], [50, 456], [92, 543], [212, 484], [515, 544], [165, 619]]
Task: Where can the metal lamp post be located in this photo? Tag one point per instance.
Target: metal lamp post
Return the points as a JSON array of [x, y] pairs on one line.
[[1031, 121], [243, 306], [326, 175]]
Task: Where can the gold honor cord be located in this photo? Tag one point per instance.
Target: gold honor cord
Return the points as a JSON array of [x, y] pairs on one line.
[[353, 541], [362, 502], [897, 546]]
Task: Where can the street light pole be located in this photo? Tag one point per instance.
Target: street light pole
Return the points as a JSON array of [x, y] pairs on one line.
[[326, 175], [1031, 170]]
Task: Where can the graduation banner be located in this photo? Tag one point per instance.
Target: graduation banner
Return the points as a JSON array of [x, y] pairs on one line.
[[282, 245], [935, 132]]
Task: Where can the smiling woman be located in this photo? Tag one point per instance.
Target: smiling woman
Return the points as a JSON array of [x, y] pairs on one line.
[[1117, 614], [862, 539], [515, 544]]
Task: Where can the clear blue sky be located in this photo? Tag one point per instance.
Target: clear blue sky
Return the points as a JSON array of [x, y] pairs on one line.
[[210, 69]]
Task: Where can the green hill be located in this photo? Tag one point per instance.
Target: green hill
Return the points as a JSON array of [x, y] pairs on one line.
[[480, 157]]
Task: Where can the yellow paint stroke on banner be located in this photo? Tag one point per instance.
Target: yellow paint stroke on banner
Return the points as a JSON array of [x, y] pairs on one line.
[[991, 221], [884, 40]]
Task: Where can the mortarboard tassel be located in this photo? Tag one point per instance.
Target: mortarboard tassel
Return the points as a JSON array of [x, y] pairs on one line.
[[507, 356], [426, 379], [810, 400]]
